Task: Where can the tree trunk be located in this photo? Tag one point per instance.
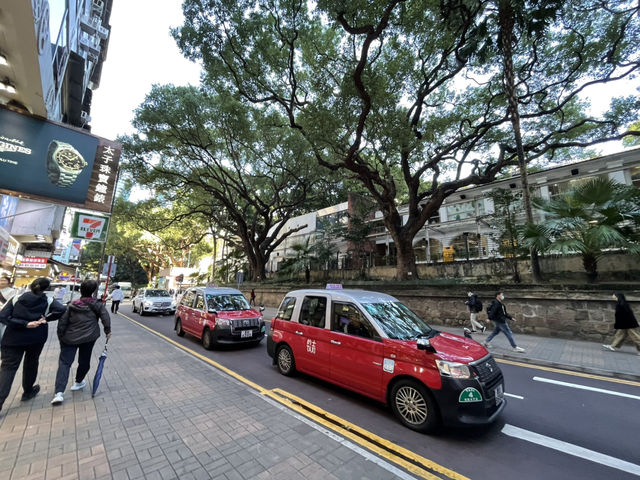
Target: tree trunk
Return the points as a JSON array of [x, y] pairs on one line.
[[506, 15], [406, 263], [590, 263]]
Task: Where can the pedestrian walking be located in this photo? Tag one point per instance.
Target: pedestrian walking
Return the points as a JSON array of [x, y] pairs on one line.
[[252, 298], [498, 315], [475, 307], [6, 293], [26, 318], [625, 324], [78, 330], [59, 293], [116, 297]]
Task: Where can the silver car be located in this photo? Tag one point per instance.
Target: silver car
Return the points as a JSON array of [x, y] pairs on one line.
[[154, 301]]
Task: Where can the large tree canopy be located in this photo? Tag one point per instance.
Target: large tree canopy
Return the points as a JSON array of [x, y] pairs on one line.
[[231, 166], [409, 96]]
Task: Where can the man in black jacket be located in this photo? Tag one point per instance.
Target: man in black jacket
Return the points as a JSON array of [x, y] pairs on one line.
[[78, 330], [498, 315], [475, 307], [26, 319]]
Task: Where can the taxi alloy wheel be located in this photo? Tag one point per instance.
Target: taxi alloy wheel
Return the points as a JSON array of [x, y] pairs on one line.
[[285, 361], [414, 406], [179, 329], [207, 339]]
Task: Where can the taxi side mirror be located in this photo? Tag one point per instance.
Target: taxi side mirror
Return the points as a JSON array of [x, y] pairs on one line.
[[425, 344]]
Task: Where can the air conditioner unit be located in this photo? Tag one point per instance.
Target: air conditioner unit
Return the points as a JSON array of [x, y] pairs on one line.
[[97, 7]]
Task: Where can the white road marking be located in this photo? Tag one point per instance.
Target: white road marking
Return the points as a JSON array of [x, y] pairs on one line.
[[513, 396], [571, 449], [584, 387]]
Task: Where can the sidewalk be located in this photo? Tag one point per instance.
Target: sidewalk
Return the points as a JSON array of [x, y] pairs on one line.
[[577, 355], [162, 414]]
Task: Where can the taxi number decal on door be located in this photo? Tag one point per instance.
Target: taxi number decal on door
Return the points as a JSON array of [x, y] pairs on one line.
[[311, 346]]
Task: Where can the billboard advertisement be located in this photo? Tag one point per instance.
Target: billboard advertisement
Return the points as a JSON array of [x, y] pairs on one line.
[[89, 227], [53, 162]]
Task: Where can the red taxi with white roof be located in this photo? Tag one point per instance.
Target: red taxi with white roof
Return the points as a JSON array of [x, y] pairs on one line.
[[218, 315], [372, 344]]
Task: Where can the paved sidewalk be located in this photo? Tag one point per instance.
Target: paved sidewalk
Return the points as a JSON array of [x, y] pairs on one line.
[[162, 414], [578, 355]]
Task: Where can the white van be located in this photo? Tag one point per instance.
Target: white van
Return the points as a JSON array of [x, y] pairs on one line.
[[72, 293]]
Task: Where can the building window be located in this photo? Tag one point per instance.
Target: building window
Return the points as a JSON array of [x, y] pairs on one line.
[[635, 176], [462, 211]]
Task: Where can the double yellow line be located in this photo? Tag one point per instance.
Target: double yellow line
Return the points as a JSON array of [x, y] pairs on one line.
[[410, 461]]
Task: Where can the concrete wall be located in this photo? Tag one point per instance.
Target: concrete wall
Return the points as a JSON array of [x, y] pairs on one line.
[[538, 310]]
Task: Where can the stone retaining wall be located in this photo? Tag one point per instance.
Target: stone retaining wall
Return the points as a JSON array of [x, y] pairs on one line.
[[538, 311]]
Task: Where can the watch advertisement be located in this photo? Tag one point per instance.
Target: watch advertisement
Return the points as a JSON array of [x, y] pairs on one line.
[[48, 161]]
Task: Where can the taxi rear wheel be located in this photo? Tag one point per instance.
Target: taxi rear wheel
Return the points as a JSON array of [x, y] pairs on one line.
[[414, 406], [285, 361], [179, 329], [207, 339]]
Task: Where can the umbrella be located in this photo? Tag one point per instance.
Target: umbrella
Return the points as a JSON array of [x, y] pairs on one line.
[[98, 375]]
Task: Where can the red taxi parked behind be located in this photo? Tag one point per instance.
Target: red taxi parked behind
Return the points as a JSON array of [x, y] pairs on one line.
[[217, 316]]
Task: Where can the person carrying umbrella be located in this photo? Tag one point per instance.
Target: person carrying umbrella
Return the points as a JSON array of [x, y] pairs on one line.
[[78, 330]]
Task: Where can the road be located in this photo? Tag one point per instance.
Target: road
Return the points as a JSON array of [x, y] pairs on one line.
[[555, 426]]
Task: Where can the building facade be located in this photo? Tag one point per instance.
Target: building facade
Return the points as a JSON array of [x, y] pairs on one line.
[[51, 57]]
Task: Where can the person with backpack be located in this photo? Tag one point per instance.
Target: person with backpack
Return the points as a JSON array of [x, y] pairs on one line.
[[26, 318], [78, 330], [475, 307], [497, 313]]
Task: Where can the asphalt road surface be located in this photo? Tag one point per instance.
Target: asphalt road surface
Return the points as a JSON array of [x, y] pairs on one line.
[[555, 426]]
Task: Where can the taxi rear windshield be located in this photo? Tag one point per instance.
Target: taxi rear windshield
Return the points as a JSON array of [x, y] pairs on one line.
[[227, 302], [398, 321]]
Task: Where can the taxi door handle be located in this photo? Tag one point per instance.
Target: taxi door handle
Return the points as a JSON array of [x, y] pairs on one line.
[[335, 342], [299, 333], [377, 363]]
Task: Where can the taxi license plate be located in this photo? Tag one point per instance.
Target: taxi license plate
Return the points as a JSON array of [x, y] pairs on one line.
[[246, 334], [499, 394]]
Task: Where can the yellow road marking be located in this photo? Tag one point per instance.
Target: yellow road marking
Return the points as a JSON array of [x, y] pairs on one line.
[[570, 372], [288, 399]]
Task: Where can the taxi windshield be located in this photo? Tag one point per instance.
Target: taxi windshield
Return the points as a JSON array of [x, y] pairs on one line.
[[227, 302], [398, 321]]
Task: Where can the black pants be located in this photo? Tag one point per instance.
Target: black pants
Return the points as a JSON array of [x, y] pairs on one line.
[[67, 355], [11, 357], [114, 306]]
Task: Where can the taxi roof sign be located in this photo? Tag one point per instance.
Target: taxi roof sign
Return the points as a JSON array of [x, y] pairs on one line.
[[334, 286], [212, 285]]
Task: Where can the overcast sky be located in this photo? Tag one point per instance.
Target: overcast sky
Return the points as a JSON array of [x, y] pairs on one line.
[[142, 53]]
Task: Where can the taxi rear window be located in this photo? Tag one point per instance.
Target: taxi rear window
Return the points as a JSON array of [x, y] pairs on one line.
[[286, 308]]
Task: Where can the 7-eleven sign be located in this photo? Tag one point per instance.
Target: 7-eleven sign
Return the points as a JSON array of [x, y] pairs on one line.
[[90, 227]]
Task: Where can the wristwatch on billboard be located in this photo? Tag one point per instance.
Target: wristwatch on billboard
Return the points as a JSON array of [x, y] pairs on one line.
[[64, 163]]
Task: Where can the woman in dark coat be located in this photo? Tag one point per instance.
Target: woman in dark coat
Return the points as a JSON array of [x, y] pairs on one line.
[[626, 324], [26, 319], [78, 330]]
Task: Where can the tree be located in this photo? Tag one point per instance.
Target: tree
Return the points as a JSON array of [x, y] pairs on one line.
[[224, 162], [594, 216], [411, 94]]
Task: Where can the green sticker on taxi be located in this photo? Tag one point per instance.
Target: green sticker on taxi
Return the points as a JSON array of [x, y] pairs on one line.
[[469, 395]]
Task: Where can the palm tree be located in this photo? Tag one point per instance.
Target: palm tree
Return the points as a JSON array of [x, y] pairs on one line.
[[596, 215]]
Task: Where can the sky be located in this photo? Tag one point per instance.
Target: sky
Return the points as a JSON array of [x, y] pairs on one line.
[[142, 53]]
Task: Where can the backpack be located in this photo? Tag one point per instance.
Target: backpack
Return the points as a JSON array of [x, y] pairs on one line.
[[478, 305]]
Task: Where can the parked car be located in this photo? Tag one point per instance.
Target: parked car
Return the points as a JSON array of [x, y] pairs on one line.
[[372, 344], [153, 300], [219, 315]]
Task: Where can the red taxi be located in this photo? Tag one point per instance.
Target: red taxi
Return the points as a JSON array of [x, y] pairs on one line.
[[372, 344], [217, 316]]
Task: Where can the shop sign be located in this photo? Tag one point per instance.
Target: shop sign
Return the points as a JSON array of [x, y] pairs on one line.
[[89, 227], [32, 262]]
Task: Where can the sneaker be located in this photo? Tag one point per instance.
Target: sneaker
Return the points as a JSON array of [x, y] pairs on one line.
[[79, 386], [518, 349], [30, 394], [609, 347], [483, 329], [57, 399], [474, 331]]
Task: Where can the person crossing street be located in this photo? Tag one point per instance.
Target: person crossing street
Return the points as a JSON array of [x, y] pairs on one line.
[[498, 315]]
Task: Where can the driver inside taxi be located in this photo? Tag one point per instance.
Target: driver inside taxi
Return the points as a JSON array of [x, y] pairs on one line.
[[356, 327]]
